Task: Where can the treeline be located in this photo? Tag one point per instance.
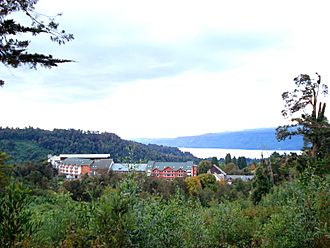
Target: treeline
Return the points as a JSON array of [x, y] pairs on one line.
[[233, 166], [33, 144]]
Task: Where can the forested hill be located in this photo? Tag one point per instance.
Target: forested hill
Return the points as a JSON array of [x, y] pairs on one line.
[[254, 139], [30, 144]]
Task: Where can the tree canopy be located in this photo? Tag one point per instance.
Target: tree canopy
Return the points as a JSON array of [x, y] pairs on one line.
[[30, 144], [13, 50], [307, 113]]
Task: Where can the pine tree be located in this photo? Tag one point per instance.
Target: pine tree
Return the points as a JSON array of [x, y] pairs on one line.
[[228, 158], [13, 50]]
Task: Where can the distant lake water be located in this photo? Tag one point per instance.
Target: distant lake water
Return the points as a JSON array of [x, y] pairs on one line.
[[221, 153]]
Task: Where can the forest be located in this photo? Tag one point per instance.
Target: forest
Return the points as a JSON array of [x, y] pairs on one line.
[[34, 144]]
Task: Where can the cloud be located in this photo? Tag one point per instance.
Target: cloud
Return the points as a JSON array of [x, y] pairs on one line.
[[169, 68], [135, 61]]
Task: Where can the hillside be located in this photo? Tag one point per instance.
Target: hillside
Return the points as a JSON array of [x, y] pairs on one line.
[[30, 144], [253, 139]]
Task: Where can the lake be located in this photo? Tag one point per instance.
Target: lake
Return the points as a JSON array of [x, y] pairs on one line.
[[221, 153]]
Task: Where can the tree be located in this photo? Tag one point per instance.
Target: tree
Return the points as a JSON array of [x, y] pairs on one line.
[[193, 185], [228, 158], [241, 162], [261, 182], [115, 218], [234, 160], [13, 51], [207, 181], [204, 166], [307, 114], [215, 161], [16, 225], [231, 168], [5, 171]]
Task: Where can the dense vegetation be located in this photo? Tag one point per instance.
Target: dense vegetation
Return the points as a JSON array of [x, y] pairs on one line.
[[30, 144], [39, 209]]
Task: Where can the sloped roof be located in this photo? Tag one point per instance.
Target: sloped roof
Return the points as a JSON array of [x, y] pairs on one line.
[[216, 169], [77, 161], [118, 167], [174, 165], [102, 164]]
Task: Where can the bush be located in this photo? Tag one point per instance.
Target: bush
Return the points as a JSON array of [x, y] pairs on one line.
[[16, 226], [303, 215]]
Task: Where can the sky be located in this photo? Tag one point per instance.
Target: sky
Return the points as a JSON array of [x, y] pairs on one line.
[[160, 69]]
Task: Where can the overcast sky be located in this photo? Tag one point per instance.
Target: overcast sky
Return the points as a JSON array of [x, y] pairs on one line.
[[169, 68]]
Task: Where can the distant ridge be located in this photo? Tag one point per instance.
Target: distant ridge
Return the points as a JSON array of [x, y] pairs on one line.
[[252, 139], [34, 144]]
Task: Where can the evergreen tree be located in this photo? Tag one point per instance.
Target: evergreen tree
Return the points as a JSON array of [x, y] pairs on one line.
[[228, 158], [5, 171], [241, 162], [215, 161], [16, 226], [261, 183], [14, 51]]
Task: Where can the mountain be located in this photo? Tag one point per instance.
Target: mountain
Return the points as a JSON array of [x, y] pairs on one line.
[[30, 144], [253, 139]]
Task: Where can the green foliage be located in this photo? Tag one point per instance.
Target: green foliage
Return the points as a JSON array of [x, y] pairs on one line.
[[114, 220], [303, 215], [138, 211], [62, 222], [234, 160], [241, 162], [78, 190], [3, 157], [307, 114], [29, 144], [16, 225], [174, 223], [231, 168], [13, 50], [215, 161], [228, 158], [88, 188], [193, 185], [23, 151], [238, 190], [231, 226], [34, 174], [204, 166], [208, 181], [293, 214], [160, 224], [5, 171], [165, 188], [114, 216], [261, 183]]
